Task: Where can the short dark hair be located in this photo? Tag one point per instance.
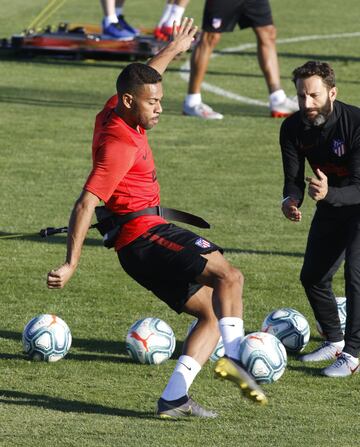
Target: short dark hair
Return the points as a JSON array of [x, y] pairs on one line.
[[134, 76], [315, 68]]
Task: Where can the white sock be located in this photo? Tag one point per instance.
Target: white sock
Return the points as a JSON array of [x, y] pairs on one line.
[[119, 10], [193, 99], [277, 97], [108, 20], [165, 14], [338, 344], [175, 15], [232, 332], [185, 371]]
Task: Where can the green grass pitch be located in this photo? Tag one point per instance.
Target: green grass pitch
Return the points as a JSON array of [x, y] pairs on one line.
[[229, 172]]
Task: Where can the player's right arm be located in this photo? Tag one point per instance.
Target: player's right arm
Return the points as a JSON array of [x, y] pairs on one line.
[[110, 166], [289, 207], [79, 224]]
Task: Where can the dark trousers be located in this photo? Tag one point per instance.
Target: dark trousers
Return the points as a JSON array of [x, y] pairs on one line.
[[334, 235]]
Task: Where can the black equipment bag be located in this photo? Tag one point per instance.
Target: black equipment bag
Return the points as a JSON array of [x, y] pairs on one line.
[[109, 224]]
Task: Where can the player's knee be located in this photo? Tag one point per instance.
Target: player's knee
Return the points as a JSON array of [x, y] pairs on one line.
[[232, 277], [267, 35], [272, 33], [211, 39], [308, 279], [209, 319]]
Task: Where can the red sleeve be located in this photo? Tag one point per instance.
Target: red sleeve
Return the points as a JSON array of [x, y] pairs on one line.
[[111, 163]]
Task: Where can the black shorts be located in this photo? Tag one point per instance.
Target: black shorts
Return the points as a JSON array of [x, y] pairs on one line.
[[223, 15], [166, 260]]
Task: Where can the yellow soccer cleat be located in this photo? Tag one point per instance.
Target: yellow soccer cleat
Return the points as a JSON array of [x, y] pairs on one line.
[[227, 368]]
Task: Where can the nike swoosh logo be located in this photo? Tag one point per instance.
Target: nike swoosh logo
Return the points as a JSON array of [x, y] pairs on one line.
[[185, 366], [353, 370], [187, 412]]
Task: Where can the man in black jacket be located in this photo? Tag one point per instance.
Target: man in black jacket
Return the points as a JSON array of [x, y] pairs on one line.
[[326, 132]]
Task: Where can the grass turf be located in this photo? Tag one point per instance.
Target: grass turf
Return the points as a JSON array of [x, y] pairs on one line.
[[229, 172]]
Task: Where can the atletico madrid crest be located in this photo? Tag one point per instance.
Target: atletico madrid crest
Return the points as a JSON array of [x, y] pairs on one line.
[[216, 22], [202, 243], [338, 147]]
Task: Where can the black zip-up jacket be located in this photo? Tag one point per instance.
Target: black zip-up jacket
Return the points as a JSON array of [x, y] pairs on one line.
[[334, 148]]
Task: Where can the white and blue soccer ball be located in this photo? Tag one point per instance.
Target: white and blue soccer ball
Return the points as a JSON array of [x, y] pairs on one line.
[[263, 356], [341, 305], [289, 326], [150, 341], [46, 337], [219, 350]]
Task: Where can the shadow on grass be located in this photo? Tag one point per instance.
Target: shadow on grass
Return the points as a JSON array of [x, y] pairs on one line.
[[310, 369], [314, 370], [264, 252], [61, 239], [295, 55], [51, 98], [64, 405], [95, 349], [46, 102], [55, 239]]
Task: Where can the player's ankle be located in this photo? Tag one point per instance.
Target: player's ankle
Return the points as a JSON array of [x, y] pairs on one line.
[[193, 99]]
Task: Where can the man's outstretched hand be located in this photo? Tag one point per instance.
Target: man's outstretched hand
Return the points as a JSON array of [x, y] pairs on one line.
[[180, 42], [184, 34]]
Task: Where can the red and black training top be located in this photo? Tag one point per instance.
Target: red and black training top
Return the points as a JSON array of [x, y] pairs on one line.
[[334, 148], [123, 173]]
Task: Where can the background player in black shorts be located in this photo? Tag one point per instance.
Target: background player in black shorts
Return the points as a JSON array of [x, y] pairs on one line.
[[326, 132], [183, 269], [222, 16]]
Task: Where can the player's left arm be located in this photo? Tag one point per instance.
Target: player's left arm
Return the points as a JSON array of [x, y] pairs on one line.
[[180, 42]]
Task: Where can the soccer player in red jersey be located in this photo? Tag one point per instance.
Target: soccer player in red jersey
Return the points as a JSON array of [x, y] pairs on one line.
[[187, 272]]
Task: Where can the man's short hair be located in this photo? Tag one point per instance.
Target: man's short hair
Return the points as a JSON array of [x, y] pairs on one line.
[[134, 76], [315, 68]]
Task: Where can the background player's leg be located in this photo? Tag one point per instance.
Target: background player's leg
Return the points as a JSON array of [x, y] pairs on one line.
[[173, 12], [111, 25], [280, 105], [193, 105]]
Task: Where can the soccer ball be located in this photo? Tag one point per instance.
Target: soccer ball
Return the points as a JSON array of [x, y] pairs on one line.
[[219, 350], [150, 341], [341, 305], [289, 326], [263, 356], [46, 337]]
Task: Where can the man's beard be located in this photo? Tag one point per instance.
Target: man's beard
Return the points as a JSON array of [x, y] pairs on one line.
[[322, 116]]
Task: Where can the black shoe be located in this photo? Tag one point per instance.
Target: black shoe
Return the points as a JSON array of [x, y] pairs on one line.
[[183, 407]]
